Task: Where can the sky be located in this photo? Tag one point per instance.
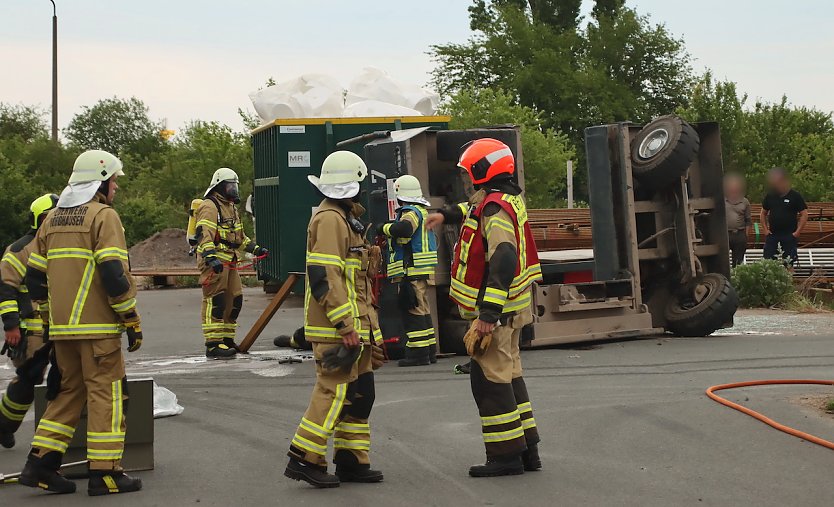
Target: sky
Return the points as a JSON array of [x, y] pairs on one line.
[[190, 59]]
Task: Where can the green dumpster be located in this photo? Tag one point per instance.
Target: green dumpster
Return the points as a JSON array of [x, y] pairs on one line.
[[287, 151]]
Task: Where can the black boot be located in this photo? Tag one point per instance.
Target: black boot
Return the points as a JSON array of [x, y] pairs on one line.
[[498, 467], [348, 469], [433, 353], [313, 475], [219, 350], [463, 369], [43, 473], [531, 459], [6, 439], [230, 342], [111, 482], [415, 356]]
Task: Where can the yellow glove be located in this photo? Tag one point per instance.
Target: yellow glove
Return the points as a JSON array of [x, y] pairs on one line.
[[377, 357], [475, 343]]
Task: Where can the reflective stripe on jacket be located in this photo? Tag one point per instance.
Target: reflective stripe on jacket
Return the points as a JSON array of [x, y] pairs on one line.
[[16, 307], [415, 256], [469, 268], [220, 230], [69, 246]]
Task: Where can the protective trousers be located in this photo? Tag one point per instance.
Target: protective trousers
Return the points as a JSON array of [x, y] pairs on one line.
[[501, 395], [92, 374], [417, 321], [222, 302], [339, 407], [21, 392]]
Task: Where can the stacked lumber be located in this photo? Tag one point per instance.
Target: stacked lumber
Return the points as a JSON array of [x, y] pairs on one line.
[[569, 229]]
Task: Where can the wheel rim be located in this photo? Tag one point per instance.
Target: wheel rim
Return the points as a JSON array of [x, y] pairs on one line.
[[697, 296], [653, 143]]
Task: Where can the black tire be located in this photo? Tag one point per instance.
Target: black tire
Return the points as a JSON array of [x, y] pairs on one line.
[[663, 151], [687, 317]]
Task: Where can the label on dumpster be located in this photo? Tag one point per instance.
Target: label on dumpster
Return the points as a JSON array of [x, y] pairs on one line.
[[392, 198], [292, 129], [298, 159]]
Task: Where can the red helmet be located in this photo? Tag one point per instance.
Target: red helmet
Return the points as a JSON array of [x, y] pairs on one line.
[[486, 158]]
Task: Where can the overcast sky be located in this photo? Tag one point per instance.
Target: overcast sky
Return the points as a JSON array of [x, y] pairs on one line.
[[190, 59]]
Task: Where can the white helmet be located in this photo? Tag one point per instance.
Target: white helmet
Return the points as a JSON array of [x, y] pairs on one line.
[[220, 175], [95, 165], [408, 190], [341, 173]]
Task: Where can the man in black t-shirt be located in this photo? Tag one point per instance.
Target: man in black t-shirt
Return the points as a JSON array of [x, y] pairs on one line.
[[784, 215]]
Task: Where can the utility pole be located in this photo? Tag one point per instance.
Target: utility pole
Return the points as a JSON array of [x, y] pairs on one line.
[[54, 72]]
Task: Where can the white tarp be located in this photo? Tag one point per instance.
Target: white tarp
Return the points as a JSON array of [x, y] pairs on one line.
[[165, 402], [372, 93]]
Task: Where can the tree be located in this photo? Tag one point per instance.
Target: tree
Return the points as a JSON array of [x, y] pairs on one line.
[[24, 122], [116, 125], [545, 152]]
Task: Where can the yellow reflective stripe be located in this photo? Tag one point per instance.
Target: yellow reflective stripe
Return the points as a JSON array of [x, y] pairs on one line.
[[353, 428], [470, 223], [104, 454], [57, 329], [525, 407], [359, 445], [325, 259], [460, 286], [15, 263], [495, 296], [528, 423], [338, 313], [414, 344], [503, 436], [124, 306], [49, 443], [314, 428], [69, 253], [11, 415], [9, 306], [351, 267], [377, 335], [420, 333], [83, 292], [105, 438], [56, 427], [463, 207], [321, 332], [37, 261], [116, 409], [309, 445], [15, 406], [521, 302], [207, 223], [492, 420], [335, 407], [500, 223], [114, 251]]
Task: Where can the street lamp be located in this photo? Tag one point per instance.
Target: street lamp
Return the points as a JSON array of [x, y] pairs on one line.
[[54, 72]]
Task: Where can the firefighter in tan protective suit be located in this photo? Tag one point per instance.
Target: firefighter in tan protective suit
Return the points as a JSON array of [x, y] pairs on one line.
[[79, 263], [220, 240], [22, 323], [494, 267], [342, 325]]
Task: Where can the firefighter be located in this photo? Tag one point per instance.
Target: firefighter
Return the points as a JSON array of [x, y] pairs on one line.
[[220, 239], [21, 322], [341, 323], [79, 264], [413, 257], [494, 267]]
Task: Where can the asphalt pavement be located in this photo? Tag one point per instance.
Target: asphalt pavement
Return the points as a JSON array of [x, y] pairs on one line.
[[623, 423]]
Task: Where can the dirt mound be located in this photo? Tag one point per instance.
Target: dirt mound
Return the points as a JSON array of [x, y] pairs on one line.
[[167, 249]]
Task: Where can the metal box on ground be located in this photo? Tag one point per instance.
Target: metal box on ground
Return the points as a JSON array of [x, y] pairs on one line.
[[139, 439], [285, 153]]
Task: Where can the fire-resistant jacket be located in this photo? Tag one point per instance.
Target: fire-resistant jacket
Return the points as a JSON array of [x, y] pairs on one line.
[[495, 261], [16, 306], [338, 289], [414, 247], [220, 230], [79, 260]]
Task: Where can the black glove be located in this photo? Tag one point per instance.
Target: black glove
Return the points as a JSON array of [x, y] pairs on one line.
[[17, 351], [341, 358], [215, 264], [260, 251], [134, 337]]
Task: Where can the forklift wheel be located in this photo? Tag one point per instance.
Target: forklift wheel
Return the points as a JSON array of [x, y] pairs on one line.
[[707, 306], [663, 151]]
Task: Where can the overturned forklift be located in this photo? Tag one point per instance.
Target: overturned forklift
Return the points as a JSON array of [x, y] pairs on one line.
[[660, 258]]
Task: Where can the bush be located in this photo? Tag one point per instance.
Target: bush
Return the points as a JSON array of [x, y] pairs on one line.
[[763, 284]]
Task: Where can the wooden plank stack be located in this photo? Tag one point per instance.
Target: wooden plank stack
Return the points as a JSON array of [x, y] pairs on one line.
[[569, 229]]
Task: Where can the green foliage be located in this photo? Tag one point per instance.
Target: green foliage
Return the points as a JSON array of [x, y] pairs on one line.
[[545, 152], [24, 122], [116, 125], [146, 213], [757, 139], [763, 284]]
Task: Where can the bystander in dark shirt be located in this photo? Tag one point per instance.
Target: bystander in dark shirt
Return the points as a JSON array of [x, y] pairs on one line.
[[783, 212]]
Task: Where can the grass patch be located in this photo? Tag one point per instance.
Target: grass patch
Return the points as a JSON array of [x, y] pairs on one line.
[[829, 406]]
